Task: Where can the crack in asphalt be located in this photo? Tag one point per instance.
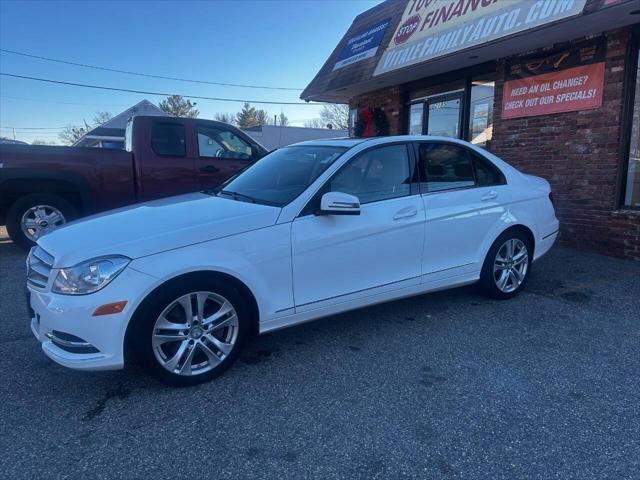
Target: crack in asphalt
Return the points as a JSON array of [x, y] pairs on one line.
[[120, 393]]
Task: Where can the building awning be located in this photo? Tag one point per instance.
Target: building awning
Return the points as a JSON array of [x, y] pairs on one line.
[[339, 83]]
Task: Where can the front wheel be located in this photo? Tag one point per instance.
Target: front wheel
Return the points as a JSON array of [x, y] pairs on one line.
[[507, 265], [191, 332]]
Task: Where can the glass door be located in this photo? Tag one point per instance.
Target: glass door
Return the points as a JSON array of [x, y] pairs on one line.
[[437, 115], [443, 116]]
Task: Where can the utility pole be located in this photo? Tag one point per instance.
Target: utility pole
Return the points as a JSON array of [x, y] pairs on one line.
[[275, 119], [14, 134]]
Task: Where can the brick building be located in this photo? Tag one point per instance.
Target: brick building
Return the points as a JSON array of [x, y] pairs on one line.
[[551, 86]]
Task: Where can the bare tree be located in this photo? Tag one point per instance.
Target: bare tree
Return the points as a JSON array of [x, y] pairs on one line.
[[42, 142], [71, 134], [283, 120], [315, 123], [262, 117], [101, 117], [225, 117], [335, 114], [177, 106]]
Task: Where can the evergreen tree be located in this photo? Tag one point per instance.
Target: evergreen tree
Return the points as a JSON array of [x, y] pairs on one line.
[[177, 106], [246, 118]]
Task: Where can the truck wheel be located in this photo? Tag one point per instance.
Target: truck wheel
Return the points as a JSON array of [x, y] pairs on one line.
[[35, 214]]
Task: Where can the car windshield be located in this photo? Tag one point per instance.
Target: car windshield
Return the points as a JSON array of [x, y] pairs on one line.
[[281, 176]]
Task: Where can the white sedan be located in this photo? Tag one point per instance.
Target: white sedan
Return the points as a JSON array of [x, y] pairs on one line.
[[310, 230]]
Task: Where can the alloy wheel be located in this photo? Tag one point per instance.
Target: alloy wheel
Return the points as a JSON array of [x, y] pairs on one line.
[[39, 220], [195, 333], [510, 265]]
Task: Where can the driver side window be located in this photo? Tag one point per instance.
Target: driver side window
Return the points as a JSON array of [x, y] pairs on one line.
[[218, 143]]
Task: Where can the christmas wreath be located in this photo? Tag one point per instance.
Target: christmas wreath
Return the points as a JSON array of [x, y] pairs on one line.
[[372, 122]]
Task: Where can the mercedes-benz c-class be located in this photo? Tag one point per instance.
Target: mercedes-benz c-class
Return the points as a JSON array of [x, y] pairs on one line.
[[308, 231]]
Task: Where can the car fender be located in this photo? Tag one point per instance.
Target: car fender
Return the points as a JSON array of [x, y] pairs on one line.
[[266, 272], [512, 217]]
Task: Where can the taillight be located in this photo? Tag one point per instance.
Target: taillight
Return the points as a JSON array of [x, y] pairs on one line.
[[551, 199]]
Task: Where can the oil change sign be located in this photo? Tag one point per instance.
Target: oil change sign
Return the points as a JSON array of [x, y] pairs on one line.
[[433, 28], [362, 45], [566, 81]]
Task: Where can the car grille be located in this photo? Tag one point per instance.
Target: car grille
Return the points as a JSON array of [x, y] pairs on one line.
[[39, 264]]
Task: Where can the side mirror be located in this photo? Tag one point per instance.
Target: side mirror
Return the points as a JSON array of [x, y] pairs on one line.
[[338, 203]]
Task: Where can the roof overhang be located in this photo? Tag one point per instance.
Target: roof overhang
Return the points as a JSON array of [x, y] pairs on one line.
[[594, 23]]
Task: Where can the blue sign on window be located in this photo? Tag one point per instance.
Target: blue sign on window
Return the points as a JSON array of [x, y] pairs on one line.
[[363, 45]]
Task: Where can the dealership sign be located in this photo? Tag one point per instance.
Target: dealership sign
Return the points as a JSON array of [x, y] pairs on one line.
[[432, 28], [566, 81], [362, 45]]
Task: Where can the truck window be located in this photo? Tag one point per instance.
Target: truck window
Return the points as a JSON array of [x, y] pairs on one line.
[[168, 139], [214, 142]]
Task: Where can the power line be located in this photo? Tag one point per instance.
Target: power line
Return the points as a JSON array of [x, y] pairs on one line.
[[34, 134], [33, 128], [66, 62], [42, 100], [143, 92]]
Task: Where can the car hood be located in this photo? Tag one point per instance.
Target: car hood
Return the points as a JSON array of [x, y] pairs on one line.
[[152, 227]]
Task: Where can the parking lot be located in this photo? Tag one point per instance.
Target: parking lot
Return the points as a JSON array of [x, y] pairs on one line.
[[447, 385]]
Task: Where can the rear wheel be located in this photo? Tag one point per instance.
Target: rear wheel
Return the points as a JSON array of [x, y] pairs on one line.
[[191, 332], [35, 214], [507, 265]]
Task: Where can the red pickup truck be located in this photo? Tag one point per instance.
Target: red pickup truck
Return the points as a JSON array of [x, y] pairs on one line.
[[43, 187]]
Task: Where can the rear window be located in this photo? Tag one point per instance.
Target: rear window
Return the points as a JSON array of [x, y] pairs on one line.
[[168, 139], [445, 167], [486, 173]]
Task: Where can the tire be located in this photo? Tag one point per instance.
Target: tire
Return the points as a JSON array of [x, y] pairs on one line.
[[505, 273], [51, 209], [180, 355]]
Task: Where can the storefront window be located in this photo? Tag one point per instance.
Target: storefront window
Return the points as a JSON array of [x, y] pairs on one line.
[[442, 110], [415, 118], [444, 116], [481, 112], [353, 118], [437, 115], [632, 187]]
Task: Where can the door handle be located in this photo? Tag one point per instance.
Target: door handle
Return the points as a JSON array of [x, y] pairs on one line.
[[209, 169], [489, 196], [406, 212]]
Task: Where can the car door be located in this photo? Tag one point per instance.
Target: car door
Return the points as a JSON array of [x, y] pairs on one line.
[[342, 257], [165, 163], [465, 197], [220, 154]]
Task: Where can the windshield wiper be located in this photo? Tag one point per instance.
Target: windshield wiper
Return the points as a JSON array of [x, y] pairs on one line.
[[237, 195]]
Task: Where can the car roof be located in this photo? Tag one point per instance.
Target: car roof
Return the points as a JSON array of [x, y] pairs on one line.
[[350, 142], [332, 142]]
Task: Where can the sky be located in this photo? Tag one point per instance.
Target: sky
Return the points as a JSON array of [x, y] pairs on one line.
[[266, 43]]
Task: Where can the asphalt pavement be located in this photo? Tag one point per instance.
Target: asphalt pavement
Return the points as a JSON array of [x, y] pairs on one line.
[[446, 385]]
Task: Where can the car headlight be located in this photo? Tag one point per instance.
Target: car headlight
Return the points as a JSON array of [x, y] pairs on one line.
[[89, 276]]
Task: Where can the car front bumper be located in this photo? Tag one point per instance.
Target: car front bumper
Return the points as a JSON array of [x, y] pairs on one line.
[[69, 333]]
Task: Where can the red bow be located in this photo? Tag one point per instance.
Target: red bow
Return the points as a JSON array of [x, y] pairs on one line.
[[367, 115]]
